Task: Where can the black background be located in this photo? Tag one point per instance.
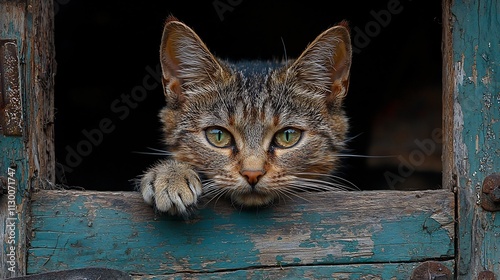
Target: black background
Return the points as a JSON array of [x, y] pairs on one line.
[[104, 47]]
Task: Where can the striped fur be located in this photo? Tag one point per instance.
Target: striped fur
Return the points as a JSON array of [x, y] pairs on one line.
[[252, 100]]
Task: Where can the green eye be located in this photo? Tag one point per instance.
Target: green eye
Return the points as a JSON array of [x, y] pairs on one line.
[[219, 137], [287, 137]]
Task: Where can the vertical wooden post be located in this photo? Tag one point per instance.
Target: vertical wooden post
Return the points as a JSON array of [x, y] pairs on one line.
[[472, 127], [26, 157]]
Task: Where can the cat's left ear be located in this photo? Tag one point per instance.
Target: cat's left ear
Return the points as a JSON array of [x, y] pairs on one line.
[[186, 62], [325, 64]]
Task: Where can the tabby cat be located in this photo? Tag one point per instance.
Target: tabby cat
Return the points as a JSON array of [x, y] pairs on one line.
[[254, 132]]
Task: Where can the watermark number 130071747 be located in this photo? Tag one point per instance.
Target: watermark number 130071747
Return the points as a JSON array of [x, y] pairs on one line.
[[11, 220]]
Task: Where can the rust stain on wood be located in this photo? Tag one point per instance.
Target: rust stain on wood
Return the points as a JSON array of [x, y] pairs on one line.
[[11, 111]]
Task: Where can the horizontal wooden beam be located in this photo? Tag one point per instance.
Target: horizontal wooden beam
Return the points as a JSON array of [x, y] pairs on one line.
[[75, 229], [354, 271]]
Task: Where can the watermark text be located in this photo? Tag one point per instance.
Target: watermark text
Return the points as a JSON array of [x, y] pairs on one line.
[[11, 221]]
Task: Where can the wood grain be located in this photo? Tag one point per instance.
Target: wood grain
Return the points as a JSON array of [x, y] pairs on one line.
[[343, 272], [29, 24], [472, 114], [117, 230], [448, 158]]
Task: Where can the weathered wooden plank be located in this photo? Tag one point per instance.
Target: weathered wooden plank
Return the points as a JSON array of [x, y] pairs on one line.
[[31, 24], [338, 272], [39, 57], [12, 155], [13, 181], [449, 172], [28, 157], [117, 230], [472, 121]]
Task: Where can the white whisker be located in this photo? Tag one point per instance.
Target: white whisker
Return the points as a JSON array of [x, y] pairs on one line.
[[291, 192], [334, 186], [303, 186], [215, 193], [155, 152], [333, 177], [364, 156]]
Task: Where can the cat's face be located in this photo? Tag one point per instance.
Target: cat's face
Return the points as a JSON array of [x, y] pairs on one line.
[[256, 132]]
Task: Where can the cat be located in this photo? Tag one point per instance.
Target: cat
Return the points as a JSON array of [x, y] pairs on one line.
[[253, 132]]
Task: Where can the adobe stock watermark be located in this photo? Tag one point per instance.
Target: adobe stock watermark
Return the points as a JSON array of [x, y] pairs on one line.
[[120, 108], [223, 6], [416, 158], [11, 221], [361, 38]]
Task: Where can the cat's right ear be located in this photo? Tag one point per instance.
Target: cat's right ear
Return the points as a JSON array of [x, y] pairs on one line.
[[325, 64], [186, 62]]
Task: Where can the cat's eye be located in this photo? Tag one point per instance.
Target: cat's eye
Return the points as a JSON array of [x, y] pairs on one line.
[[287, 137], [219, 137]]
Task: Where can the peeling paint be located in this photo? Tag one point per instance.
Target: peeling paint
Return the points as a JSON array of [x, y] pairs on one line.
[[445, 223], [486, 79], [459, 73], [391, 230], [473, 78], [476, 128], [458, 146], [477, 144]]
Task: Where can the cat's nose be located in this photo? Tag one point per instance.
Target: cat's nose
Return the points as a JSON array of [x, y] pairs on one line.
[[252, 176]]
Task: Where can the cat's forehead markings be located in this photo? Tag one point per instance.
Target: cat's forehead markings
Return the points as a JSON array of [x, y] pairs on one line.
[[276, 120], [255, 73], [231, 120]]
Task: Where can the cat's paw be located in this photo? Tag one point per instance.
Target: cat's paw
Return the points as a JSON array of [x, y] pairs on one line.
[[172, 187]]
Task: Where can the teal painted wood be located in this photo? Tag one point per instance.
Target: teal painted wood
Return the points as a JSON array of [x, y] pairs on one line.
[[30, 156], [475, 84], [13, 167], [12, 156], [117, 230]]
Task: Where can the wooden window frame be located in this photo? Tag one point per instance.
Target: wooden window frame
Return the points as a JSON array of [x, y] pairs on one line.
[[378, 233]]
